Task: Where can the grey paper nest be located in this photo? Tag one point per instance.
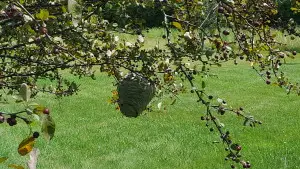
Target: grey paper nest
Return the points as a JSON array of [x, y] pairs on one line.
[[135, 93]]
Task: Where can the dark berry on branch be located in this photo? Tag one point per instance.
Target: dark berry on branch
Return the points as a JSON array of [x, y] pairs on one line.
[[248, 165], [226, 32], [35, 134], [43, 30], [56, 50], [38, 40], [238, 148], [11, 121], [243, 37], [194, 72], [210, 97], [221, 9], [46, 111], [294, 53]]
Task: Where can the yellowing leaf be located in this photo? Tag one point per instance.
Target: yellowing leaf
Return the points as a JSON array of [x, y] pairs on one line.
[[15, 166], [274, 11], [39, 109], [294, 9], [48, 127], [2, 159], [177, 25], [26, 146]]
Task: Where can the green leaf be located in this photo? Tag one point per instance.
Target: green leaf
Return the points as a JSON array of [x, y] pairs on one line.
[[177, 25], [222, 125], [15, 166], [28, 27], [34, 122], [18, 99], [173, 102], [52, 17], [43, 15], [246, 122], [58, 40], [2, 159], [75, 9], [203, 84], [209, 52], [33, 104], [72, 6], [94, 19], [64, 9], [25, 92], [48, 127]]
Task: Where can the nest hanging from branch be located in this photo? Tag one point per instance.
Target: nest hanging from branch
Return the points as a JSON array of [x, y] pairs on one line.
[[135, 93]]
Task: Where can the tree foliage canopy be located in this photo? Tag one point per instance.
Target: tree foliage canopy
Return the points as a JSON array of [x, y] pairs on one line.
[[39, 39]]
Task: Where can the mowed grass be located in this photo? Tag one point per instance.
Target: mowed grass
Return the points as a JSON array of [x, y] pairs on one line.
[[91, 134]]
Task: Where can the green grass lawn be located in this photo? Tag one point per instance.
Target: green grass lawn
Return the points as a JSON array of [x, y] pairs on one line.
[[91, 134]]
